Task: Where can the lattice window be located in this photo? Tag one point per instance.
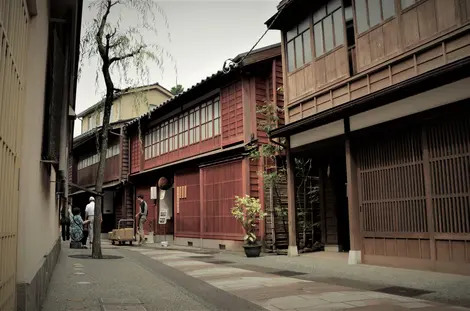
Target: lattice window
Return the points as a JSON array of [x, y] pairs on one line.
[[449, 157], [392, 184]]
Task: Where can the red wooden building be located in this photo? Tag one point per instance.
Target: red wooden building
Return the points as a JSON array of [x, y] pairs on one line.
[[198, 141]]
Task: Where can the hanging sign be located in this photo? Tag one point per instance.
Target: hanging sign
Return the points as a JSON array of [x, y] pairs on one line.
[[162, 217]]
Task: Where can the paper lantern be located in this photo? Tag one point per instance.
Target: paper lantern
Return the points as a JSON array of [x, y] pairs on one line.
[[164, 183]]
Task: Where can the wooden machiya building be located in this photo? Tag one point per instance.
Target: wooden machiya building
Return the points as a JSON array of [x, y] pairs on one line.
[[377, 94], [198, 141], [83, 166]]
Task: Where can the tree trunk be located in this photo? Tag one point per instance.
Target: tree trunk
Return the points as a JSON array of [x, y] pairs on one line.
[[96, 251]]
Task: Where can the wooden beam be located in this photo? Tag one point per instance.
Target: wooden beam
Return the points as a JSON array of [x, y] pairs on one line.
[[85, 189], [291, 210], [355, 253]]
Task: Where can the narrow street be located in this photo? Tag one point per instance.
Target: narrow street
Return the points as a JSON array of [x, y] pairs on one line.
[[131, 282], [170, 279]]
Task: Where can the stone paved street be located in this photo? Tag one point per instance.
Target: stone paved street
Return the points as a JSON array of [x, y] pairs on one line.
[[130, 284], [276, 293]]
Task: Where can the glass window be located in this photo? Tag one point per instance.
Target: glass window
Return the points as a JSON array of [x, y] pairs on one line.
[[407, 3], [388, 9], [216, 127], [291, 33], [203, 132], [328, 31], [216, 109], [348, 14], [375, 16], [306, 40], [318, 29], [371, 13], [338, 26], [361, 15], [319, 14], [304, 25], [299, 51], [333, 5], [290, 56], [299, 59]]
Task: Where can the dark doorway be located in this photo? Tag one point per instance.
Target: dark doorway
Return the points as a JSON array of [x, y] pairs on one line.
[[329, 170]]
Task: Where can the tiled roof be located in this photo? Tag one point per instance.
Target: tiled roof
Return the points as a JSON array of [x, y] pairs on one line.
[[80, 139], [203, 81], [89, 109]]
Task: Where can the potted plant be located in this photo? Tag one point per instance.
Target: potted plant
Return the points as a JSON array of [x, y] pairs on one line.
[[247, 211]]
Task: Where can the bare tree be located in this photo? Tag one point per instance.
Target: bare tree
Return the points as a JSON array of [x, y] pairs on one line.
[[122, 52]]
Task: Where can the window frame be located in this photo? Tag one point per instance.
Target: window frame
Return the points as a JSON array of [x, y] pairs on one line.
[[183, 130], [293, 40], [194, 125], [216, 118], [331, 16], [397, 10]]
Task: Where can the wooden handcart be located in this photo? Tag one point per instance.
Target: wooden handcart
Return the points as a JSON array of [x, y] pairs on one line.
[[122, 235]]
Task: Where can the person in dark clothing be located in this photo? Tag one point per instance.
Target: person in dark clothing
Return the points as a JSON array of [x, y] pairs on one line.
[[141, 218], [65, 216]]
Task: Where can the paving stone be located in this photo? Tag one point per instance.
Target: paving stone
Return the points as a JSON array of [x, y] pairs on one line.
[[295, 302], [188, 263], [123, 308], [239, 282], [414, 305], [217, 271], [370, 302], [343, 296], [382, 308], [327, 307], [119, 301]]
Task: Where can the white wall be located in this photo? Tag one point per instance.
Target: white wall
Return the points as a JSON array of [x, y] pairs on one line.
[[38, 228]]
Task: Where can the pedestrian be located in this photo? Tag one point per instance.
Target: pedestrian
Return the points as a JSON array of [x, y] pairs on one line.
[[65, 216], [76, 229], [141, 218], [90, 215]]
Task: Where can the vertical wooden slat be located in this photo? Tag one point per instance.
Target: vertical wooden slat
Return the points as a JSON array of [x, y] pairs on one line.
[[13, 38]]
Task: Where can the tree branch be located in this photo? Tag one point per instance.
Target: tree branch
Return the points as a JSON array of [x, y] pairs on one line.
[[131, 54], [121, 90], [99, 35]]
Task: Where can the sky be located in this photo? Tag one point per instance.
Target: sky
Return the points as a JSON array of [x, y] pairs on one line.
[[202, 35]]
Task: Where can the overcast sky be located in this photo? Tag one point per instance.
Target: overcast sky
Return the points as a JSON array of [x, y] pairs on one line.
[[204, 33]]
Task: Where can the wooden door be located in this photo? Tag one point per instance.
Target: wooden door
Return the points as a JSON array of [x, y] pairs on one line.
[[415, 196]]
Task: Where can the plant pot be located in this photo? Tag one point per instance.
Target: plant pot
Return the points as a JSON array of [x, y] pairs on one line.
[[252, 250]]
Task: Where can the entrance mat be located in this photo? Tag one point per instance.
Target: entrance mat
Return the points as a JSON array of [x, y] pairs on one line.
[[87, 256], [403, 291], [286, 273]]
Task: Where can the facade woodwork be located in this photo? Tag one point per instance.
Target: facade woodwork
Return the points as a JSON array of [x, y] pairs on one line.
[[421, 37], [200, 145], [85, 170], [394, 92]]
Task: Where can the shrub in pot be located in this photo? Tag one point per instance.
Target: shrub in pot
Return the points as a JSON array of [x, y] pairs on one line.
[[247, 211]]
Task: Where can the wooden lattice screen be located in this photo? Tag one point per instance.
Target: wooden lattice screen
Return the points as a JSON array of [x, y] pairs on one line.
[[13, 48], [415, 192]]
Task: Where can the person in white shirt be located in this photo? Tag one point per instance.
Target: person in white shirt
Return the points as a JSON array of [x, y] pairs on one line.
[[90, 215]]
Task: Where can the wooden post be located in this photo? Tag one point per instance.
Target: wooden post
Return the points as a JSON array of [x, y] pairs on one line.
[[355, 254], [291, 212]]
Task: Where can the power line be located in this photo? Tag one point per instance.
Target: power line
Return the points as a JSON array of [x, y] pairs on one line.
[[229, 63]]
